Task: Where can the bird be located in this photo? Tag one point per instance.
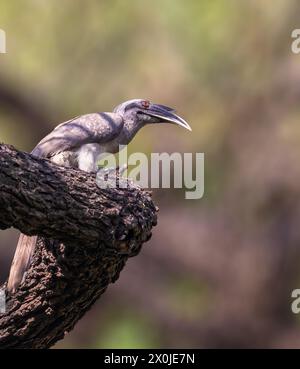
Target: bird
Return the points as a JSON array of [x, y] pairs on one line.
[[78, 143]]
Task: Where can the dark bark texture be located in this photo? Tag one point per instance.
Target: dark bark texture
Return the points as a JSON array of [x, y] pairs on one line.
[[86, 234]]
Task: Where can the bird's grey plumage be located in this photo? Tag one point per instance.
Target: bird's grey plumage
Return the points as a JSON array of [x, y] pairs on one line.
[[79, 142], [97, 128]]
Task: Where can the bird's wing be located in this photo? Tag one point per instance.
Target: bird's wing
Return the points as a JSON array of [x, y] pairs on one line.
[[90, 128]]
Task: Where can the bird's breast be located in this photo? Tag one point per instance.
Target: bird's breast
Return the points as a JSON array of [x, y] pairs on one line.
[[87, 156], [110, 147]]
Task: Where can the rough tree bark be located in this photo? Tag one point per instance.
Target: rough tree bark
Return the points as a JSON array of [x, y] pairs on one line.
[[86, 236]]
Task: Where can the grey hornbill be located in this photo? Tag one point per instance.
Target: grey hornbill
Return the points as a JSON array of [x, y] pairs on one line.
[[78, 143]]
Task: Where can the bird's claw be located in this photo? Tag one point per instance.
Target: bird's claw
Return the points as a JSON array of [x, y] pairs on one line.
[[116, 171], [122, 169]]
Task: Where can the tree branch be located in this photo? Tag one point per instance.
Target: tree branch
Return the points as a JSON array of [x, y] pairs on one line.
[[87, 234]]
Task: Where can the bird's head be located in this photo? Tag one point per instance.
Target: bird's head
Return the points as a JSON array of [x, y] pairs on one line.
[[144, 112]]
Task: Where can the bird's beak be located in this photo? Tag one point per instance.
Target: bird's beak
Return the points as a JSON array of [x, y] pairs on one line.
[[166, 114]]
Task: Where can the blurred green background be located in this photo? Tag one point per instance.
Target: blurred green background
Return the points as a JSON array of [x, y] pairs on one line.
[[218, 272]]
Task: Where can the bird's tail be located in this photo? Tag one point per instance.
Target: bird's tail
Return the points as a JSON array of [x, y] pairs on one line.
[[21, 261]]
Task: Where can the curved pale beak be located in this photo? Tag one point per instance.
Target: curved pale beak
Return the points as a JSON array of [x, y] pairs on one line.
[[166, 114]]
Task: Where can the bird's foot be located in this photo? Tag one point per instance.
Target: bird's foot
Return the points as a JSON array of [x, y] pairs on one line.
[[113, 171], [111, 177], [122, 169]]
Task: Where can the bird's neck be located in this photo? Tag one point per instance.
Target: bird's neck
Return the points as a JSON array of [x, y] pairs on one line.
[[130, 129]]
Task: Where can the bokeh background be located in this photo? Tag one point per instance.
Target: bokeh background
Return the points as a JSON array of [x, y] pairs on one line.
[[218, 272]]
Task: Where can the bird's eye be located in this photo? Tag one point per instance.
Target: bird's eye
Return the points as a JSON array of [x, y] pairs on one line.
[[145, 104]]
